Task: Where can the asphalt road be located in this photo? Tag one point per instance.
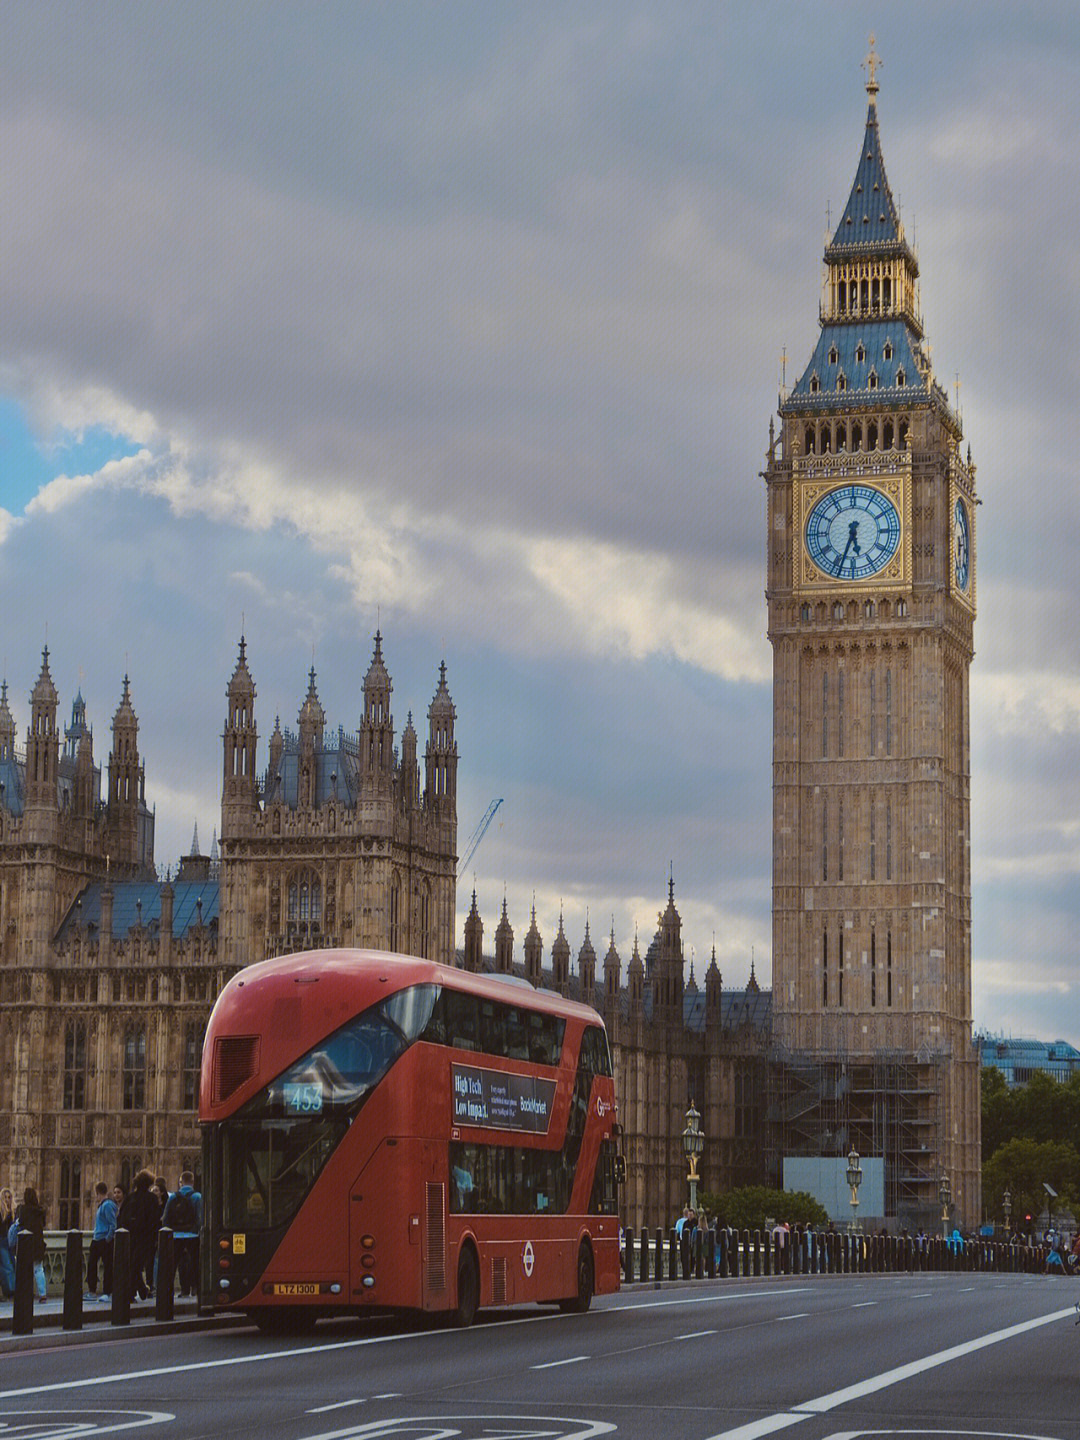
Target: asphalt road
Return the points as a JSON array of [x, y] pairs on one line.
[[816, 1358]]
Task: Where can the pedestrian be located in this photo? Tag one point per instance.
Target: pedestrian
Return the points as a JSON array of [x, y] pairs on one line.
[[30, 1219], [140, 1217], [183, 1216], [101, 1244], [160, 1191], [7, 1258]]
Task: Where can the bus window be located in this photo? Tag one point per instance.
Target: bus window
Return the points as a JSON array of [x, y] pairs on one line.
[[461, 1020], [517, 1034]]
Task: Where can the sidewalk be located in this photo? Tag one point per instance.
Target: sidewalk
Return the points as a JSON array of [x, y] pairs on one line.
[[97, 1320]]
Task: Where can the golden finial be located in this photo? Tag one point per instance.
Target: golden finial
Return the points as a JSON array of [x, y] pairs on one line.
[[870, 65]]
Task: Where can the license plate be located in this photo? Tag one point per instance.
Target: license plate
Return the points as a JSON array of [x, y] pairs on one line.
[[305, 1289]]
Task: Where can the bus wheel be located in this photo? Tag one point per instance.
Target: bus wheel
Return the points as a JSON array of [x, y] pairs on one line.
[[586, 1283], [468, 1289], [284, 1320]]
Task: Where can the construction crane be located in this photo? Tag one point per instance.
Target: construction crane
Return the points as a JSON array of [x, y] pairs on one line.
[[477, 835]]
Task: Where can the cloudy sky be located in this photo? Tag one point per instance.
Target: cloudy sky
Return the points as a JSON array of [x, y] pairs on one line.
[[466, 320]]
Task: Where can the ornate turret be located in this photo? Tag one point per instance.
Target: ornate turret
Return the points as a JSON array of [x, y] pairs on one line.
[[713, 990], [587, 968], [126, 785], [311, 724], [42, 742], [612, 968], [668, 970], [534, 952], [274, 777], [377, 726], [7, 726], [560, 959], [239, 794], [504, 944], [442, 757], [410, 769], [637, 982], [474, 938]]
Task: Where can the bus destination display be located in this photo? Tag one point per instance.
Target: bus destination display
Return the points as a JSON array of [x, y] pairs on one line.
[[500, 1100]]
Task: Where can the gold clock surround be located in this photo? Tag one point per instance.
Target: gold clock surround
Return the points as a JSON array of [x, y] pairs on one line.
[[814, 477]]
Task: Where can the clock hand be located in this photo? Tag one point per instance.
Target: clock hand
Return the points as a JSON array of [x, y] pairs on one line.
[[853, 530]]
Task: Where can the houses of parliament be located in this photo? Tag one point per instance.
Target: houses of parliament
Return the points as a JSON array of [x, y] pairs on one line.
[[339, 838]]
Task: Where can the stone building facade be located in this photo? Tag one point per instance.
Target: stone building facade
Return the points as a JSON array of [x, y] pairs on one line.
[[672, 1043], [871, 596], [109, 973]]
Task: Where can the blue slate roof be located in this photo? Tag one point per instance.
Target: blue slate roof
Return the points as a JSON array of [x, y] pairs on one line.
[[870, 218], [11, 777], [837, 354], [336, 771], [127, 895]]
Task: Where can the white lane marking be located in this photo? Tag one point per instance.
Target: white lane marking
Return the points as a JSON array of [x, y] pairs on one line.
[[802, 1315], [863, 1304], [769, 1424], [695, 1335], [340, 1405], [409, 1425], [716, 1299], [554, 1364]]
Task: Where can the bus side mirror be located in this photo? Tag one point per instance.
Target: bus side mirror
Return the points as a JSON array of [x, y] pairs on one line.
[[620, 1169]]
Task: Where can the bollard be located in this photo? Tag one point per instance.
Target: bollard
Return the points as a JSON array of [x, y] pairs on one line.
[[643, 1254], [22, 1313], [698, 1257], [724, 1256], [628, 1255], [710, 1254], [767, 1252], [121, 1278], [684, 1252], [73, 1281], [164, 1282], [673, 1254]]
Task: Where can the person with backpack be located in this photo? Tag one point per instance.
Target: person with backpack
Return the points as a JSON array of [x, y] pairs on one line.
[[183, 1216], [30, 1230], [101, 1244]]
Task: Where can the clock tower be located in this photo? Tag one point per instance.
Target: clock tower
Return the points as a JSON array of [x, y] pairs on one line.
[[871, 596]]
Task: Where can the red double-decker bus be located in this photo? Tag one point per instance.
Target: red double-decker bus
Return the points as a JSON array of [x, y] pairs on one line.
[[381, 1131]]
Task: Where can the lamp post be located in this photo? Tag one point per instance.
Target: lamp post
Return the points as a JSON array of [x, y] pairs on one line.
[[944, 1196], [693, 1143], [854, 1179], [1006, 1207]]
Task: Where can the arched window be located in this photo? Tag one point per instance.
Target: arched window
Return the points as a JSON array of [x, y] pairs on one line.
[[395, 912], [70, 1194], [134, 1072], [75, 1066], [192, 1063], [304, 904]]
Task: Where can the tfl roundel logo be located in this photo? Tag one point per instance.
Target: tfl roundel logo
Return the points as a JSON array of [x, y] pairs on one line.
[[528, 1259]]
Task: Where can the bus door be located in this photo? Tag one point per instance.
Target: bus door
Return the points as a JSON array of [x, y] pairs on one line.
[[391, 1210]]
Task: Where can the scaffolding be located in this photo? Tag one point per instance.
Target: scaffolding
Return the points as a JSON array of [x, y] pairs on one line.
[[889, 1104]]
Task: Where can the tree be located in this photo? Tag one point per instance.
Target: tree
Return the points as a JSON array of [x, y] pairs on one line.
[[1023, 1166], [750, 1207]]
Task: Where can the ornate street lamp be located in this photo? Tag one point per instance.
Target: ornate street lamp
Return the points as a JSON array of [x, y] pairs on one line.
[[693, 1143], [944, 1195], [1006, 1206], [854, 1179]]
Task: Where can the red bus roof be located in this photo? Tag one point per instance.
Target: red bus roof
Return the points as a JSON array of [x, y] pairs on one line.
[[293, 1001]]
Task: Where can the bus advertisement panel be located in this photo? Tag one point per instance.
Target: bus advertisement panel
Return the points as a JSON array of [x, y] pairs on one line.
[[386, 1132]]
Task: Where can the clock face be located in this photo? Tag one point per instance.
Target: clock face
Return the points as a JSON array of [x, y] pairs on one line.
[[852, 532], [961, 545]]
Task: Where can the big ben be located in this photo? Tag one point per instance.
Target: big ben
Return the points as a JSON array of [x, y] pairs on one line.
[[871, 598]]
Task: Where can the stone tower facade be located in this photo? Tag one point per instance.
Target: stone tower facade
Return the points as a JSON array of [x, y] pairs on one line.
[[337, 843], [871, 602]]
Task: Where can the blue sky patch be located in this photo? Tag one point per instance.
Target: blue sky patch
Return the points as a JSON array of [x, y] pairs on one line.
[[27, 461]]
